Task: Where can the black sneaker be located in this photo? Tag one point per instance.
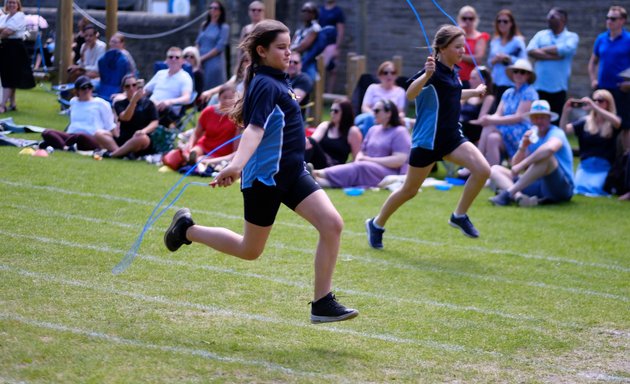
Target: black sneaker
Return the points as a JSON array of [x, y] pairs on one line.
[[327, 310], [465, 225], [374, 235], [175, 235]]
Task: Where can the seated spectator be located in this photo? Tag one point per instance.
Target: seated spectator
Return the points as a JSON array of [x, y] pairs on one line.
[[333, 141], [387, 90], [191, 55], [90, 52], [502, 131], [171, 88], [213, 129], [305, 36], [210, 97], [138, 118], [88, 116], [117, 41], [301, 83], [384, 152], [475, 107], [542, 167], [597, 138], [476, 43]]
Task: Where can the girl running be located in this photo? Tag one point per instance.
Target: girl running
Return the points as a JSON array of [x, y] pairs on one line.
[[270, 163], [437, 91]]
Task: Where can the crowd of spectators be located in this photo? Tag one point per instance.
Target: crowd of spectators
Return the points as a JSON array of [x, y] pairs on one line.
[[519, 74]]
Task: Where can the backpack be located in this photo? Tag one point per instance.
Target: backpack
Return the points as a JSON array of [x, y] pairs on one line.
[[618, 178], [326, 36]]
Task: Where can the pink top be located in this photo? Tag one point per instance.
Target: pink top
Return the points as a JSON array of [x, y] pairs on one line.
[[466, 68]]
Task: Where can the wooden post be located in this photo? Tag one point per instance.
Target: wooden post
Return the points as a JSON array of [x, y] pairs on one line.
[[319, 91], [270, 9], [63, 50], [350, 81], [111, 19], [398, 63]]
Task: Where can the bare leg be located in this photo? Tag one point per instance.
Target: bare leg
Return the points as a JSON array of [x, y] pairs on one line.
[[136, 144], [249, 246], [318, 210], [467, 155], [534, 172], [494, 142], [414, 179], [105, 140], [502, 177]]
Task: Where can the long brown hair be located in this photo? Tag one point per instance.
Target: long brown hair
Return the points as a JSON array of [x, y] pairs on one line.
[[263, 34], [346, 120], [444, 36], [514, 31]]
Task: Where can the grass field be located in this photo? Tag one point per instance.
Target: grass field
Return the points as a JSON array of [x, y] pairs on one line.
[[542, 296]]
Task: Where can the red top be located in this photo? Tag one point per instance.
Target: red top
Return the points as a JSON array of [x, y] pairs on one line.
[[218, 128], [466, 68]]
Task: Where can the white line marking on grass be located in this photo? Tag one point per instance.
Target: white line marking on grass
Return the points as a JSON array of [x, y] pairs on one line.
[[170, 262], [490, 278], [364, 259], [165, 348], [217, 311], [552, 259]]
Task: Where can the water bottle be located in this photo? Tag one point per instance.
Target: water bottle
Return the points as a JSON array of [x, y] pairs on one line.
[[533, 137]]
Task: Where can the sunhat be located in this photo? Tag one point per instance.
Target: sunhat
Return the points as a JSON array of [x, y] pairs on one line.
[[522, 64], [541, 107]]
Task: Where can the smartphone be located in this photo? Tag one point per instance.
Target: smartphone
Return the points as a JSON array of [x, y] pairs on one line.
[[577, 104], [140, 83]]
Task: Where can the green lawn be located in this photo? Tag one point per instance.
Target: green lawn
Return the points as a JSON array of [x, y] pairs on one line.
[[542, 296]]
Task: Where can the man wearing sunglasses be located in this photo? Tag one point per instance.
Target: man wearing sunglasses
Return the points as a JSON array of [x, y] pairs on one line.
[[553, 49], [170, 88], [609, 59]]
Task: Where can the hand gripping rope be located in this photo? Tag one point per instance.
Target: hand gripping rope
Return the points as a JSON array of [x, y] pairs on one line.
[[427, 39], [133, 251]]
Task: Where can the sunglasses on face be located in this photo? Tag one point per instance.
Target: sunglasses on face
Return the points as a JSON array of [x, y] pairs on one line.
[[189, 57], [174, 57], [127, 86], [612, 18], [503, 21], [294, 62], [520, 72], [388, 73], [255, 10], [378, 110], [600, 101], [468, 19], [335, 110]]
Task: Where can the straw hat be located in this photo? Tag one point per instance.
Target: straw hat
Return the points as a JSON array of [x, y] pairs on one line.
[[522, 64], [541, 107]]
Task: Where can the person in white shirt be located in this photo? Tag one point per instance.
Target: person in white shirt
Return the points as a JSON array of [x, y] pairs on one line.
[[15, 66], [89, 117], [170, 88], [91, 51]]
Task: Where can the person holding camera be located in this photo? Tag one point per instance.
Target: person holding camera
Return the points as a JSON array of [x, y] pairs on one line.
[[597, 138], [542, 167]]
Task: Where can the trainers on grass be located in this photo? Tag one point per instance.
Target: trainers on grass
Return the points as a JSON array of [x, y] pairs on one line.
[[465, 225], [502, 199], [175, 235], [374, 234], [327, 310], [527, 201]]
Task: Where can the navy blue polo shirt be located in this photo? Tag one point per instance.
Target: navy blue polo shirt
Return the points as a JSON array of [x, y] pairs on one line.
[[270, 103], [437, 108]]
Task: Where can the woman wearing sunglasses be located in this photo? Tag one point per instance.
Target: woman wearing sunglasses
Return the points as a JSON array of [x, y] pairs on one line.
[[88, 116], [333, 141], [211, 42], [507, 46], [503, 130], [138, 118], [476, 43], [597, 138]]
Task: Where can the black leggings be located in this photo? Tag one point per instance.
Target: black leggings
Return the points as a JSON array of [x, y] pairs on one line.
[[58, 140]]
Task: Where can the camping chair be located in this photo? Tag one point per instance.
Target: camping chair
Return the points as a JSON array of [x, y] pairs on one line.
[[112, 67]]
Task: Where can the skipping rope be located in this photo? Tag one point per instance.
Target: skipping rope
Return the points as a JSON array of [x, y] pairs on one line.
[[133, 251]]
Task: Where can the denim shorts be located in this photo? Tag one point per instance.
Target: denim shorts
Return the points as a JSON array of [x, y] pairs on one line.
[[556, 187]]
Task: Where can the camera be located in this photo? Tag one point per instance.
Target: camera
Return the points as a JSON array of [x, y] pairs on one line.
[[577, 104]]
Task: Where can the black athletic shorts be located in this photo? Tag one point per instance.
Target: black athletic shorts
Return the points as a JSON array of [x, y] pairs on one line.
[[421, 157], [262, 202]]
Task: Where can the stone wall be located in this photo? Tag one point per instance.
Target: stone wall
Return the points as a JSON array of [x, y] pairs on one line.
[[378, 29]]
